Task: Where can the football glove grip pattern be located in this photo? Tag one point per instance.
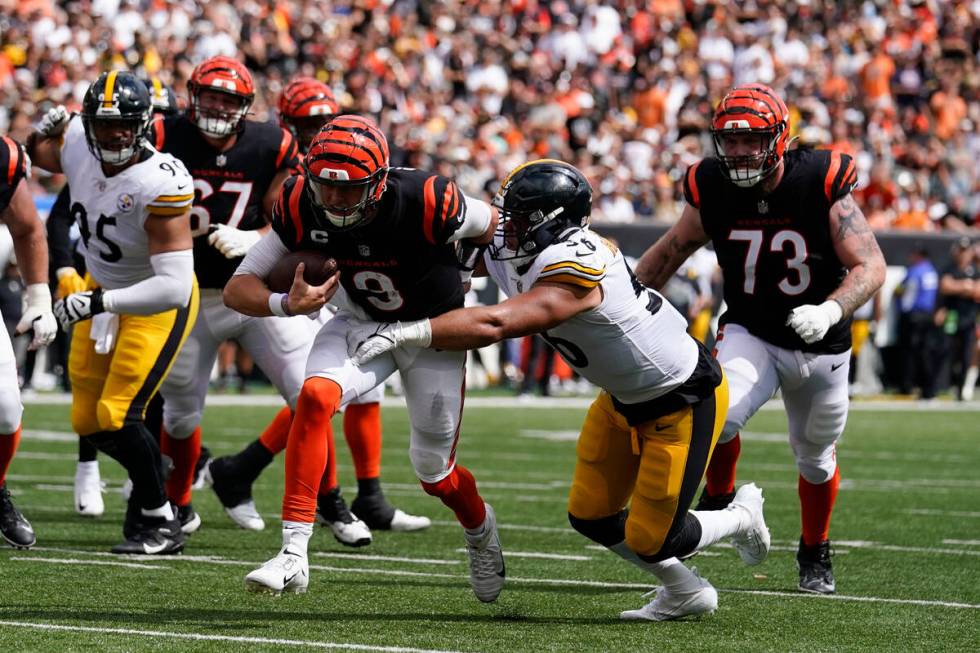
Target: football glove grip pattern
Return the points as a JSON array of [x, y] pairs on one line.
[[78, 306]]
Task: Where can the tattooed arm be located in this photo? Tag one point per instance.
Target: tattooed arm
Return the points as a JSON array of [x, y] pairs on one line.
[[659, 263], [858, 250]]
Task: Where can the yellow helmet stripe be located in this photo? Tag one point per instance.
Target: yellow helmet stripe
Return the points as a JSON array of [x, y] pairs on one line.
[[110, 84], [157, 87], [513, 172]]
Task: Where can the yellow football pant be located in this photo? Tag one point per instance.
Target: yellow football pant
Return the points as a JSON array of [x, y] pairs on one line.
[[656, 467], [700, 326], [860, 330], [111, 390]]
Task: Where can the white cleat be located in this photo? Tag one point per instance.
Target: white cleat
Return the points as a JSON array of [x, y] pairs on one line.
[[676, 605], [487, 571], [88, 490], [353, 533], [404, 522], [753, 540], [288, 572], [246, 516]]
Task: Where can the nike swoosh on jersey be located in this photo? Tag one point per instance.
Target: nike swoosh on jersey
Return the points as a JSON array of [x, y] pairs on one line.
[[834, 368]]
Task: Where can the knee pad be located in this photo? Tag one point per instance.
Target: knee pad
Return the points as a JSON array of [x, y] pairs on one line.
[[681, 540], [181, 427], [429, 453], [826, 425], [817, 467], [607, 531], [11, 412], [107, 420]]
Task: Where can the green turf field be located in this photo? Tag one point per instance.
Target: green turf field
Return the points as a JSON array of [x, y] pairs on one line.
[[907, 531]]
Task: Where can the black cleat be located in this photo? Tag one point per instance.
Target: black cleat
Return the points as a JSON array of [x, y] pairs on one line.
[[189, 520], [375, 511], [157, 537], [332, 511], [816, 570], [228, 483], [708, 502], [202, 462], [14, 528]]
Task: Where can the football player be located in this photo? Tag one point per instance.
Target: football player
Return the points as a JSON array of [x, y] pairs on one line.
[[395, 233], [648, 436], [798, 259], [88, 481], [17, 211], [132, 206]]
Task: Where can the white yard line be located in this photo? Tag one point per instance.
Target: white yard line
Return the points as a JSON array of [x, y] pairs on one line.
[[358, 556], [76, 561], [944, 513], [218, 638]]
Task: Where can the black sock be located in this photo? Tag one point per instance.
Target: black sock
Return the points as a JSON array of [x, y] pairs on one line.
[[251, 460], [87, 452], [368, 486], [136, 450]]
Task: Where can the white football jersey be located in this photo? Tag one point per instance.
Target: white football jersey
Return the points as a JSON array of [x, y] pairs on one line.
[[111, 211], [634, 344]]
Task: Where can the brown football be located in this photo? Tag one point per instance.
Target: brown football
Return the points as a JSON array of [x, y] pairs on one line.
[[319, 268]]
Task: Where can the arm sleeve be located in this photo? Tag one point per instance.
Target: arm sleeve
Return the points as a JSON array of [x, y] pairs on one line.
[[169, 287], [288, 155], [263, 256], [691, 192], [14, 166], [59, 233], [841, 177], [476, 219], [444, 209]]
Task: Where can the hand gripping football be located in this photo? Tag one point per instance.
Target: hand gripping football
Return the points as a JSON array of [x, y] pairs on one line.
[[318, 269]]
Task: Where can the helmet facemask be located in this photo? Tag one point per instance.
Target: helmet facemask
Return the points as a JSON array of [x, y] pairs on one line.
[[306, 128], [346, 203], [749, 155], [214, 117], [114, 139], [523, 234]]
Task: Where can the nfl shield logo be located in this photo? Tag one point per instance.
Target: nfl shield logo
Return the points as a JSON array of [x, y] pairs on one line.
[[364, 250], [763, 207], [221, 160]]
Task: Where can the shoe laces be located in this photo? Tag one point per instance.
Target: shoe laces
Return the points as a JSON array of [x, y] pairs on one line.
[[483, 562]]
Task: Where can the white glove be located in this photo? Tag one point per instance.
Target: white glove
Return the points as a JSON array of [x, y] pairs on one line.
[[232, 242], [38, 316], [390, 335], [78, 306], [812, 322], [54, 121]]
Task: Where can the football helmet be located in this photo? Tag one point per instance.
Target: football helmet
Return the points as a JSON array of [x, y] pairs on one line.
[[750, 130], [346, 169], [305, 106], [162, 96], [116, 112], [229, 78], [539, 203]]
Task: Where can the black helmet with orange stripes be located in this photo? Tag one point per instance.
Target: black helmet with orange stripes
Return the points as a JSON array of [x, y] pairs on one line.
[[750, 129], [116, 113], [346, 169], [539, 203]]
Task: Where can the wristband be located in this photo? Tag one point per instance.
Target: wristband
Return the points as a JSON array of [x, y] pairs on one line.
[[279, 304]]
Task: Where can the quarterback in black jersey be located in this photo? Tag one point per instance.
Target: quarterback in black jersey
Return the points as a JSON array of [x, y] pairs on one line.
[[399, 236], [238, 166], [798, 259], [17, 211]]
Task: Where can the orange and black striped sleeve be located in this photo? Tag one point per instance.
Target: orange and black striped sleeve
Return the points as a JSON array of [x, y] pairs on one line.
[[692, 192], [13, 168], [287, 158], [286, 219], [444, 209], [840, 177]]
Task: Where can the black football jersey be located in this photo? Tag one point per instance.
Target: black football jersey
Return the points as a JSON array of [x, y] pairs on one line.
[[776, 252], [228, 186], [13, 168], [398, 266]]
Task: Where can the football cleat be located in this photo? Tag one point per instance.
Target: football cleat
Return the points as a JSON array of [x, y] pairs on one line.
[[752, 541], [15, 529], [709, 502], [189, 520], [202, 462], [332, 511], [667, 605], [88, 490], [375, 511], [487, 570], [816, 570], [234, 492], [289, 571], [156, 536]]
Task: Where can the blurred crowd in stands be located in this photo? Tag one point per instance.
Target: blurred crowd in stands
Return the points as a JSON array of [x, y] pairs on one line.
[[624, 89], [621, 88]]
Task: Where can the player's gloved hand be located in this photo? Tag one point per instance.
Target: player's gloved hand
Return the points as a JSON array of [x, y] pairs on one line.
[[78, 306], [54, 121], [390, 335], [812, 322], [232, 242], [38, 316], [69, 281]]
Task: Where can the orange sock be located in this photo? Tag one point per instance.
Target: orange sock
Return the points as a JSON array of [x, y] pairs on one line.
[[816, 506], [329, 479], [721, 468], [458, 491], [8, 447], [309, 446], [274, 436], [362, 429], [184, 453]]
